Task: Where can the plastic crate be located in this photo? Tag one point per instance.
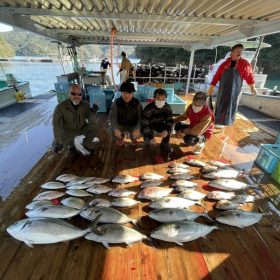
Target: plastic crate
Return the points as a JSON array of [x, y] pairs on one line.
[[278, 140], [97, 96], [276, 173], [268, 157], [109, 97], [62, 87]]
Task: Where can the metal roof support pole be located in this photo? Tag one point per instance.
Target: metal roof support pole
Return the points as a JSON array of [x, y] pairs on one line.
[[180, 69], [255, 59], [190, 71]]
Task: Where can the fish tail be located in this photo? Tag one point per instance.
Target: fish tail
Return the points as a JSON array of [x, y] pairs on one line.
[[93, 226]]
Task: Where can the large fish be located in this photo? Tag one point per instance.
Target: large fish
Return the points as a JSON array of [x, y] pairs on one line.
[[53, 211], [152, 193], [169, 215], [192, 195], [151, 176], [184, 184], [150, 183], [171, 202], [78, 193], [228, 185], [222, 174], [124, 179], [177, 170], [115, 234], [195, 162], [66, 177], [239, 218], [243, 198], [178, 165], [53, 185], [48, 195], [99, 189], [38, 203], [73, 202], [124, 202], [45, 231], [181, 177], [107, 215], [181, 232], [226, 205], [121, 193], [219, 195]]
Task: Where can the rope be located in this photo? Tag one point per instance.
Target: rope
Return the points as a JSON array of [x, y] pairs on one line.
[[114, 30]]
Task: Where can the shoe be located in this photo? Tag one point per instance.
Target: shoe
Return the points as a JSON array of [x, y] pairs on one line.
[[198, 148], [119, 142]]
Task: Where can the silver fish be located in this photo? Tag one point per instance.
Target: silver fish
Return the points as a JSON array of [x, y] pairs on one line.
[[73, 202], [226, 205], [97, 180], [151, 176], [108, 215], [195, 162], [38, 203], [218, 195], [66, 177], [78, 193], [222, 174], [124, 202], [150, 183], [45, 231], [152, 193], [121, 193], [208, 168], [181, 177], [243, 198], [217, 163], [79, 180], [184, 184], [124, 179], [78, 187], [53, 211], [239, 218], [48, 195], [181, 232], [115, 234], [183, 189], [169, 215], [178, 165], [177, 170], [192, 195], [99, 189], [228, 185], [171, 202], [53, 185], [99, 202]]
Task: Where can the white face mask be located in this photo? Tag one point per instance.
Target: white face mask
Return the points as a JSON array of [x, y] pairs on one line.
[[197, 109], [160, 103]]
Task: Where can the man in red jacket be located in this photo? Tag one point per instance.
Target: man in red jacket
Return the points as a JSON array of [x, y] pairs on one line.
[[231, 74], [200, 125]]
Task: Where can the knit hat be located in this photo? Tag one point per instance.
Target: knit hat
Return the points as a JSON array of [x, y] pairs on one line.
[[127, 87]]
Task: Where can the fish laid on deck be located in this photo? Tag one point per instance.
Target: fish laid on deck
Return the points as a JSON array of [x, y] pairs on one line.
[[171, 202], [195, 162], [184, 184], [219, 195], [124, 202], [78, 193], [121, 193], [99, 189], [124, 179], [152, 193], [192, 195], [53, 185], [228, 185], [73, 202], [224, 204], [151, 176], [48, 195], [150, 183]]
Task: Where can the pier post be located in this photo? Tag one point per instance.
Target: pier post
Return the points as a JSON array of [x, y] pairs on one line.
[[190, 71]]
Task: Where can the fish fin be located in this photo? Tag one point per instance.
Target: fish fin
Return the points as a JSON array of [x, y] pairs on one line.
[[205, 214], [93, 225], [105, 244], [179, 243], [29, 244]]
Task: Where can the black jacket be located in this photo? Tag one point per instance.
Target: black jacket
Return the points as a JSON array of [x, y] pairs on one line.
[[156, 119]]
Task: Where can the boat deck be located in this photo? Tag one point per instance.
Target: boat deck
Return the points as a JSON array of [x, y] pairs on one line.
[[228, 253]]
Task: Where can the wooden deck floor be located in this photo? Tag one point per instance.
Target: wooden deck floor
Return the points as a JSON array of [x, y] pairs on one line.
[[229, 253]]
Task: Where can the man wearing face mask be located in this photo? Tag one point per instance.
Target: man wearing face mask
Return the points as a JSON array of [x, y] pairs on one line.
[[201, 123], [71, 118], [231, 74], [125, 116], [157, 120]]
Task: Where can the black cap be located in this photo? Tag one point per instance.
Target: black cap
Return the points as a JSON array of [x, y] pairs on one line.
[[127, 87], [237, 46], [200, 96]]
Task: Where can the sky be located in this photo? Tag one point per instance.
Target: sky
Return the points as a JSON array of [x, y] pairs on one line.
[[4, 27]]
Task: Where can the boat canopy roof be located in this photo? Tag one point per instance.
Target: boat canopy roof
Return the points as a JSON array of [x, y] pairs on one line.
[[248, 44], [179, 23]]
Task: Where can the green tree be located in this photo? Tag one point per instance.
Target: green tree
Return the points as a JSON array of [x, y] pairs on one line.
[[6, 50]]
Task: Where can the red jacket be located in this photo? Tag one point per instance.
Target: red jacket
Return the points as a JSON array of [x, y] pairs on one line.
[[242, 66]]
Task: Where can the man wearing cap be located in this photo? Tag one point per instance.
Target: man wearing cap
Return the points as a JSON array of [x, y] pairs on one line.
[[231, 74], [125, 115], [72, 118], [198, 123]]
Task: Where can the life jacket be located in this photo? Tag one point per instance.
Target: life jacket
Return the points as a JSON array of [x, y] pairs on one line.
[[195, 118], [127, 113]]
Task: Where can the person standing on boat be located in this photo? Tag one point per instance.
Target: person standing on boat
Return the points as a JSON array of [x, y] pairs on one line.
[[231, 74], [125, 116], [73, 117], [104, 66], [197, 123], [126, 69], [157, 121]]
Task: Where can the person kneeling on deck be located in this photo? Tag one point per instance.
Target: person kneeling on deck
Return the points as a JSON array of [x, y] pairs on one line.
[[125, 115], [200, 123], [157, 121], [73, 117]]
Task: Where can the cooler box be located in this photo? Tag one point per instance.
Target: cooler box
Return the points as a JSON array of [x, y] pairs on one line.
[[276, 173], [97, 96], [62, 91], [109, 93]]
